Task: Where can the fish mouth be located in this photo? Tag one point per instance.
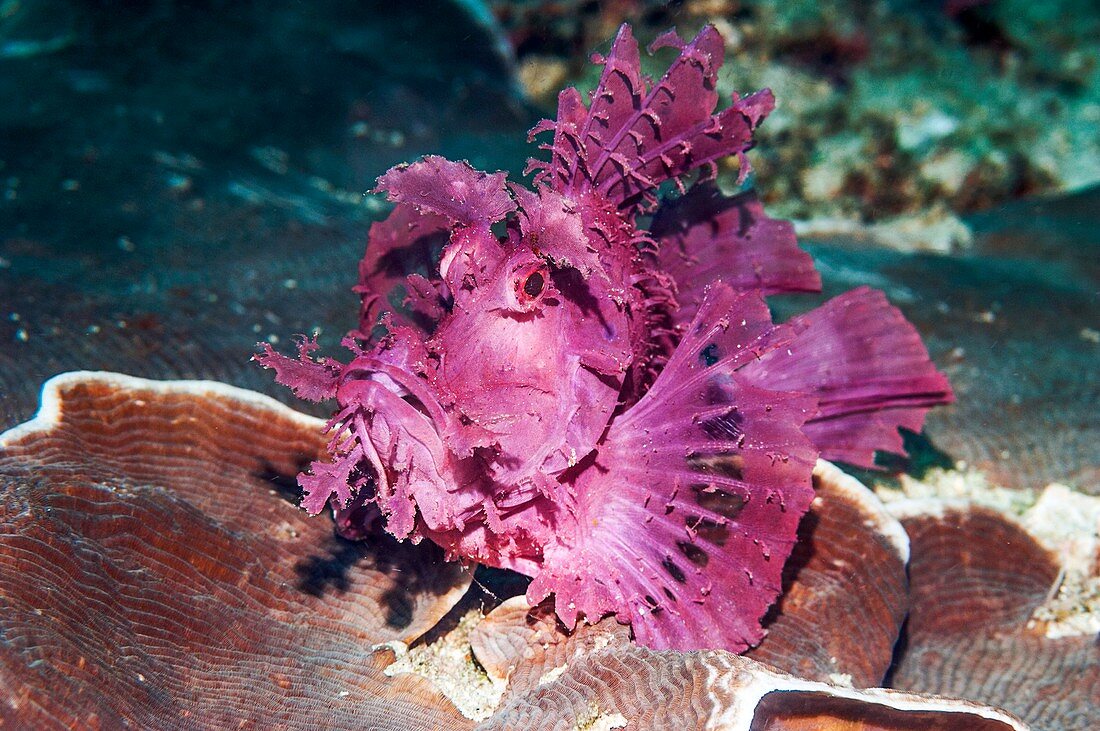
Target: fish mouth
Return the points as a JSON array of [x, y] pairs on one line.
[[425, 485], [390, 419], [370, 389], [403, 384]]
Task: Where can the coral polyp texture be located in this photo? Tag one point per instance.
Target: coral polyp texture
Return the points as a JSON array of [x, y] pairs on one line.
[[542, 381]]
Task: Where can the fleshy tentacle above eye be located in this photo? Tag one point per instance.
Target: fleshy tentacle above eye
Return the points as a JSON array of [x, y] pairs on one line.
[[399, 271]]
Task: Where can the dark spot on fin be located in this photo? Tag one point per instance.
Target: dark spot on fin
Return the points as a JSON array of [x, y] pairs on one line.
[[673, 570]]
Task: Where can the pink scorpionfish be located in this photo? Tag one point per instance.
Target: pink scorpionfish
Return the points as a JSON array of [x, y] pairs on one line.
[[606, 408]]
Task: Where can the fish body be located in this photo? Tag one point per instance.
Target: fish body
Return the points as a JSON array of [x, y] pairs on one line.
[[539, 384]]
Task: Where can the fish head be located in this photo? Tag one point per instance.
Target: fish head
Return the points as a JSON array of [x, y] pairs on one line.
[[537, 342]]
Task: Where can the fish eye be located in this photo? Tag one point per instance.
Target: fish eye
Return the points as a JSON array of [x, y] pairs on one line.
[[532, 286]]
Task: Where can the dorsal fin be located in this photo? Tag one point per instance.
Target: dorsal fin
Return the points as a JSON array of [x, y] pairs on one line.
[[635, 134]]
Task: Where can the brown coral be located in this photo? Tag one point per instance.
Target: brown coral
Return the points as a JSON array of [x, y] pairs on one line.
[[154, 573]]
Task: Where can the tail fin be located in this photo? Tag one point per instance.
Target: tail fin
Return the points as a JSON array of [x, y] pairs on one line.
[[867, 367]]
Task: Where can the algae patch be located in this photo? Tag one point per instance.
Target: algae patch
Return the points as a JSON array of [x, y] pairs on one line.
[[449, 663]]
